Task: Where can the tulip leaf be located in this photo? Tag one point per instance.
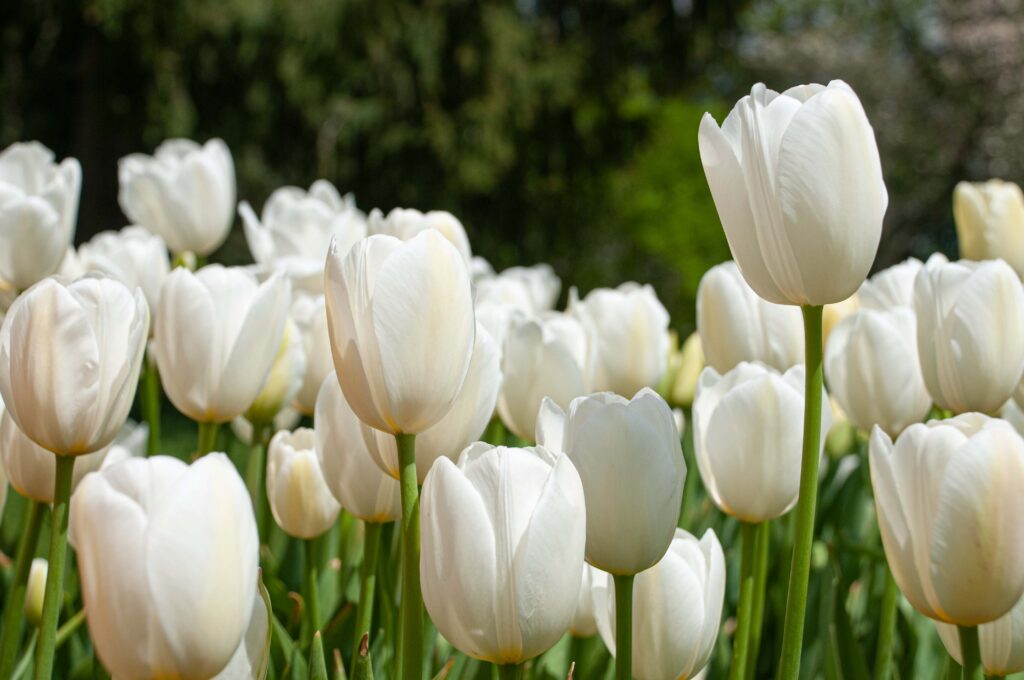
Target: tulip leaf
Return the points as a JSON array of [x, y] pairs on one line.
[[362, 666], [850, 658], [317, 663]]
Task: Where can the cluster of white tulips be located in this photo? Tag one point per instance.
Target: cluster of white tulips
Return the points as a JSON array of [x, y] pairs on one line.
[[535, 474]]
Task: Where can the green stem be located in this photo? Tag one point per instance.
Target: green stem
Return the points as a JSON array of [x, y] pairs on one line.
[[411, 608], [55, 570], [312, 589], [207, 438], [509, 672], [367, 581], [761, 545], [690, 485], [69, 627], [255, 476], [970, 651], [150, 402], [886, 628], [800, 568], [623, 626], [11, 634], [744, 611]]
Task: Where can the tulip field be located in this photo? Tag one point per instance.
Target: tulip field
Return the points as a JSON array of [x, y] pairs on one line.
[[370, 455]]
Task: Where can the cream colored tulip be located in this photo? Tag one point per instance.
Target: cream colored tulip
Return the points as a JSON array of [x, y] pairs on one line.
[[299, 496], [989, 220]]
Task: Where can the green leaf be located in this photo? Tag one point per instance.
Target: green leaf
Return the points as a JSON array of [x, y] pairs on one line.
[[851, 662], [317, 663], [362, 667]]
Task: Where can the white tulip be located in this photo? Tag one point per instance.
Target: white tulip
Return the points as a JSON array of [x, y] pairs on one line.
[[251, 659], [894, 286], [299, 497], [284, 380], [69, 361], [400, 315], [747, 434], [355, 479], [970, 333], [531, 290], [989, 220], [502, 550], [948, 500], [310, 316], [479, 268], [873, 370], [736, 325], [1002, 642], [798, 185], [542, 357], [629, 457], [218, 332], [406, 223], [133, 256], [1013, 414], [38, 211], [689, 578], [584, 619], [297, 227], [184, 192], [168, 559], [35, 589]]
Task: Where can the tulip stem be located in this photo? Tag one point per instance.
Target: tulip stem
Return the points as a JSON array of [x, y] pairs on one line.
[[55, 570], [886, 628], [367, 582], [970, 651], [312, 589], [761, 545], [11, 634], [744, 610], [510, 671], [800, 567], [150, 402], [411, 610], [623, 626], [207, 438], [256, 477]]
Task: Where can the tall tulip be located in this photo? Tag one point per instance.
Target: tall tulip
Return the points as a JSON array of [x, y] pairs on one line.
[[38, 211], [628, 331], [689, 578], [970, 333], [168, 558], [503, 539], [133, 256], [184, 192], [1002, 642], [989, 220], [407, 223], [310, 316], [736, 325]]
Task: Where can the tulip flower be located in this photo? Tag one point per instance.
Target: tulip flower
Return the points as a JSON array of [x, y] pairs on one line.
[[989, 220], [689, 578], [462, 425], [218, 333], [798, 185], [1002, 642], [284, 379], [38, 211], [736, 325], [133, 256], [252, 657], [168, 559], [948, 500], [584, 619], [627, 329], [310, 316], [691, 363], [406, 223], [299, 497], [894, 286], [542, 357], [297, 227], [503, 537], [184, 192], [970, 333], [751, 472], [530, 290], [479, 269]]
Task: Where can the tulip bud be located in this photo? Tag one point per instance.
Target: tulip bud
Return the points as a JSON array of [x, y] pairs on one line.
[[691, 578], [38, 211], [691, 363], [873, 370], [989, 220], [35, 590], [502, 550], [168, 559], [184, 192], [355, 479], [299, 497], [296, 229], [948, 500], [630, 460], [798, 185], [70, 357], [970, 333], [133, 256], [736, 325], [218, 332], [310, 317], [406, 223], [283, 381], [543, 357], [1002, 643], [627, 329], [752, 472], [400, 315]]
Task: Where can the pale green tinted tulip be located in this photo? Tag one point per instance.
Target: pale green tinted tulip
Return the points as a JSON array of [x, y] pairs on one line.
[[69, 361], [798, 185], [502, 550], [133, 256], [168, 559], [948, 500], [400, 315], [299, 497], [989, 220]]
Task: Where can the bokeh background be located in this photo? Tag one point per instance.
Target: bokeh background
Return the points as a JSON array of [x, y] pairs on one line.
[[558, 131]]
